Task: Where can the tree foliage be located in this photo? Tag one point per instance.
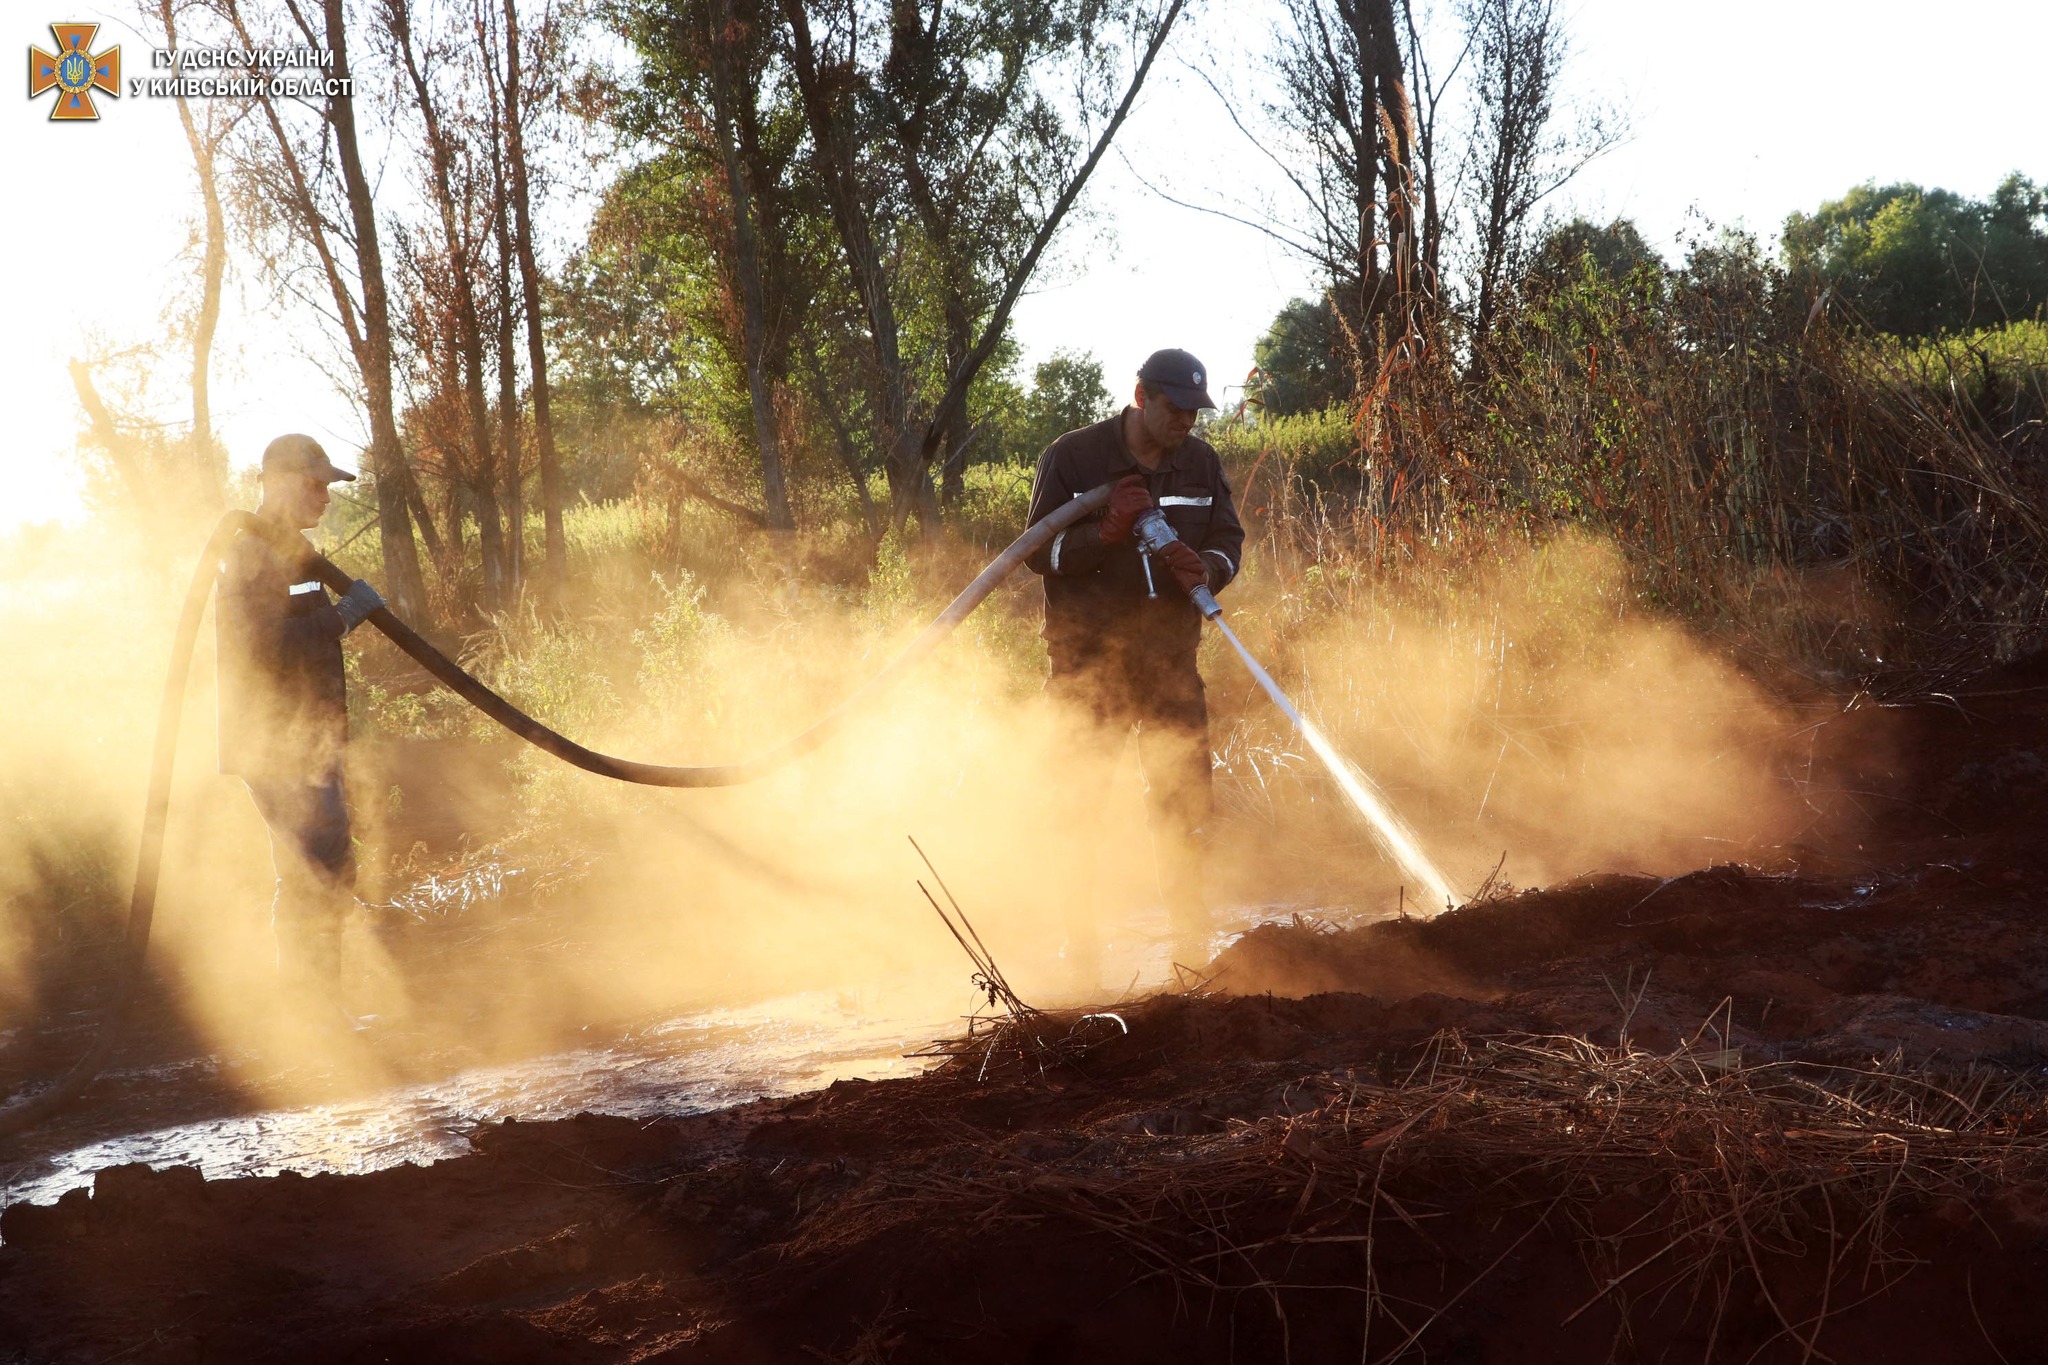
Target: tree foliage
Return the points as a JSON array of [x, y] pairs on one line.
[[1920, 263], [1067, 393], [910, 133], [1615, 249], [903, 170], [722, 198], [1302, 361]]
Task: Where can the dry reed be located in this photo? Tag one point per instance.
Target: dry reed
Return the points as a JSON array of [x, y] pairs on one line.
[[1727, 1172]]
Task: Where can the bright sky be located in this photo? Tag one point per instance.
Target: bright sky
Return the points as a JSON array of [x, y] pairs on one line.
[[1742, 111]]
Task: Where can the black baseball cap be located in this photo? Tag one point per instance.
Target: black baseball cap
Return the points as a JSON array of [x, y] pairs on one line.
[[301, 454], [1178, 375]]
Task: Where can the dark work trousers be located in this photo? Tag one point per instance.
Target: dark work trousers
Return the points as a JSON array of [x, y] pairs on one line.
[[1160, 697], [315, 858]]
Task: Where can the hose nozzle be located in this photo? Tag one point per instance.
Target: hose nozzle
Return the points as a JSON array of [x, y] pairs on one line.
[[1153, 535]]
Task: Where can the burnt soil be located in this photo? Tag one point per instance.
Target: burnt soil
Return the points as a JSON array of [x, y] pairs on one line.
[[1792, 1108]]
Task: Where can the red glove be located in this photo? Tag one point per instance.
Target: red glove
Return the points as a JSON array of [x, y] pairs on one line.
[[1126, 501], [1187, 567]]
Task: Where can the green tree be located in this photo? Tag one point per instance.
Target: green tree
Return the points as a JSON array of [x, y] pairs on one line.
[[1067, 392], [1616, 250], [1302, 361], [849, 202], [952, 141], [722, 186], [1920, 262]]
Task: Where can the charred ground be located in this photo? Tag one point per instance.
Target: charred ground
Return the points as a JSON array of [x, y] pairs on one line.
[[1792, 1107]]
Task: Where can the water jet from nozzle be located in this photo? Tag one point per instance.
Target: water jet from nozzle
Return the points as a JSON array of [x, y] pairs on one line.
[[1395, 839], [1389, 831]]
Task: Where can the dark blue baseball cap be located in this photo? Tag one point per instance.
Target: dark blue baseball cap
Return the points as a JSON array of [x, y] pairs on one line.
[[1182, 378]]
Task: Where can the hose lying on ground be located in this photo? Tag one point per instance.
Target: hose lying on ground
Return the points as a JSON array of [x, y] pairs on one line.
[[24, 1113]]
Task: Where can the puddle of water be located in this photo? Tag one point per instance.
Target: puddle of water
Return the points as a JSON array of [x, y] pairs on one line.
[[687, 1065], [682, 1066]]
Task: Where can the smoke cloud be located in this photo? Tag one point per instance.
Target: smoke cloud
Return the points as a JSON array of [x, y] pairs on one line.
[[1535, 712], [1530, 714]]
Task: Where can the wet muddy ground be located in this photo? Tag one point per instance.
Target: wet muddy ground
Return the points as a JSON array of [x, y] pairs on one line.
[[196, 1112], [1789, 1108]]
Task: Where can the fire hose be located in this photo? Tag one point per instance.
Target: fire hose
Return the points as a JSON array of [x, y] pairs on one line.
[[25, 1113]]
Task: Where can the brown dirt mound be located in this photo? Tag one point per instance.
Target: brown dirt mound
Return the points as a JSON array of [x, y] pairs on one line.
[[1950, 969]]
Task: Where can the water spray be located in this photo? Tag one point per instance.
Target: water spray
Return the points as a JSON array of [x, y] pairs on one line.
[[1389, 831]]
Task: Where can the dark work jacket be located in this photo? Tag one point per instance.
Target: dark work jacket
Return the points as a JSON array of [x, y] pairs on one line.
[[1095, 594], [283, 703]]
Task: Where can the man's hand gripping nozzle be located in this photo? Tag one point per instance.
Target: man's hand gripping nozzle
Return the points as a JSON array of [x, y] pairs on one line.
[[1154, 536]]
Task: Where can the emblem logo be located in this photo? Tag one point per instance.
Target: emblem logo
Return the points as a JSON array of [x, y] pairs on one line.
[[1198, 376], [74, 72]]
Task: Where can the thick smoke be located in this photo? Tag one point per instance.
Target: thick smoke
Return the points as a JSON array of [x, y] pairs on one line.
[[1538, 714], [1530, 715]]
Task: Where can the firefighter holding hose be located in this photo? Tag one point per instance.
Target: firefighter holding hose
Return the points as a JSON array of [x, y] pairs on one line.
[[284, 719], [1120, 628]]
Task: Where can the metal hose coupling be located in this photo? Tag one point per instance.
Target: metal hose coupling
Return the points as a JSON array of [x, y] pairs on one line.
[[1153, 536]]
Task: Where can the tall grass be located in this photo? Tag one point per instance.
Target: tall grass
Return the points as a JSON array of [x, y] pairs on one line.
[[1769, 471]]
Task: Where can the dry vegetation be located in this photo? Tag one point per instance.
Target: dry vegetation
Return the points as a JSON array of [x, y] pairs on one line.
[[1678, 1177]]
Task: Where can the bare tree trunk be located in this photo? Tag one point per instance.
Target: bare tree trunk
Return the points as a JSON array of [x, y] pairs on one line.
[[1397, 119], [842, 442], [1020, 274], [1360, 318], [726, 92], [387, 454], [953, 439], [205, 452], [1421, 164], [903, 459], [911, 46], [370, 342], [507, 359], [508, 421], [453, 512], [739, 511], [555, 564], [1495, 221], [423, 517], [870, 515], [469, 326], [1518, 48]]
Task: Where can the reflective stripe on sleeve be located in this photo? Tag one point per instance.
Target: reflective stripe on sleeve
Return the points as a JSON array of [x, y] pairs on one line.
[[1185, 502], [1229, 564], [1057, 541]]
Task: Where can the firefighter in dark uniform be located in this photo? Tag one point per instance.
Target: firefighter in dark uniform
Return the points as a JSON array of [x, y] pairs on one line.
[[1119, 627], [284, 718]]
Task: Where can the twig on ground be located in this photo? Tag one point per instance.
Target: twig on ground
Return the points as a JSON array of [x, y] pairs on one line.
[[1013, 1032]]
